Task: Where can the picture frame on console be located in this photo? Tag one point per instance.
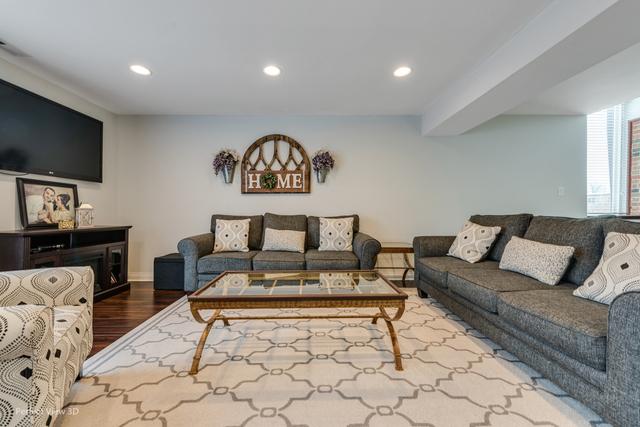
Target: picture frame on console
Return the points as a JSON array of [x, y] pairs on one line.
[[43, 204]]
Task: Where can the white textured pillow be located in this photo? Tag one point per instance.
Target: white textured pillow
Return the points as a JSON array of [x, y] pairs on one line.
[[283, 240], [231, 235], [336, 234], [542, 261], [474, 241], [618, 271]]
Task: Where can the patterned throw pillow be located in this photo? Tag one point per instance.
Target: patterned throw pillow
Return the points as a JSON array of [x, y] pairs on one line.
[[232, 235], [472, 244], [542, 261], [283, 240], [336, 234], [618, 271]]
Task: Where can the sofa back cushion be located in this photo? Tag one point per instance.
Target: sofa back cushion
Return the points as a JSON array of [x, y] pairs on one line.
[[510, 225], [255, 228], [618, 225], [285, 222], [584, 234], [313, 232]]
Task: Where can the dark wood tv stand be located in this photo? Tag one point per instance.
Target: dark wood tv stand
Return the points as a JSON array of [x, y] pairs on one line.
[[104, 248]]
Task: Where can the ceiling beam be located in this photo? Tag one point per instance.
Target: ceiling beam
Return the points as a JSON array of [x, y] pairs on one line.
[[566, 38]]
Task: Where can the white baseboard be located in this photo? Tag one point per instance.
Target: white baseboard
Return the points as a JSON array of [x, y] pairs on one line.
[[140, 276]]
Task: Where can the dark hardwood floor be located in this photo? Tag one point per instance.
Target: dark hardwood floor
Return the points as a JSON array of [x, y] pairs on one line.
[[115, 316]]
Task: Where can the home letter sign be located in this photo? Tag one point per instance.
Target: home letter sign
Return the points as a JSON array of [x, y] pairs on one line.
[[264, 170]]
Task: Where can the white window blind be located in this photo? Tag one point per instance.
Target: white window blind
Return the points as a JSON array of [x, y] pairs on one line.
[[607, 161]]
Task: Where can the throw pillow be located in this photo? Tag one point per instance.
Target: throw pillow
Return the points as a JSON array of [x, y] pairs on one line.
[[336, 234], [472, 244], [231, 235], [544, 262], [618, 271], [283, 240]]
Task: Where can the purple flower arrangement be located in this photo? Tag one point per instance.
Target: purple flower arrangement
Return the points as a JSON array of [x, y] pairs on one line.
[[225, 159], [322, 160]]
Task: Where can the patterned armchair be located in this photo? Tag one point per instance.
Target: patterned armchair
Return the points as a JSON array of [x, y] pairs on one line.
[[45, 336]]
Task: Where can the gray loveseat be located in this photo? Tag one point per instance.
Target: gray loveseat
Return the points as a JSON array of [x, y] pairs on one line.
[[589, 349], [201, 265]]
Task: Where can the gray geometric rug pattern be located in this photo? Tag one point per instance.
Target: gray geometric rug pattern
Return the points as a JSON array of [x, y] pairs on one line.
[[315, 373]]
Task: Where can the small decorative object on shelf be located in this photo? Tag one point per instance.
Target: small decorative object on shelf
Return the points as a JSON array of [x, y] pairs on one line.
[[84, 216], [225, 162], [67, 224], [322, 163], [45, 203]]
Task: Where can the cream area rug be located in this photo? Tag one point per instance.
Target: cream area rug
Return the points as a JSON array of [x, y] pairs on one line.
[[315, 373]]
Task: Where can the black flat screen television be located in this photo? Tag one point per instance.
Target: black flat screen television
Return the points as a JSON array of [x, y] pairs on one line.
[[43, 137]]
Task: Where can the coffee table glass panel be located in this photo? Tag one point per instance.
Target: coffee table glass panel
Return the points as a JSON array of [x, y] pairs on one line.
[[299, 283], [300, 290]]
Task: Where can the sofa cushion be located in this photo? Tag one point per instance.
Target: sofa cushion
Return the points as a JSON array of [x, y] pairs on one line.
[[336, 234], [435, 269], [255, 228], [573, 325], [313, 228], [231, 235], [585, 235], [283, 240], [331, 260], [618, 225], [511, 225], [226, 261], [618, 271], [541, 261], [473, 242], [285, 222], [278, 260], [482, 286]]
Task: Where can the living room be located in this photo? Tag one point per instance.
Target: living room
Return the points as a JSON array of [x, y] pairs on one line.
[[289, 120]]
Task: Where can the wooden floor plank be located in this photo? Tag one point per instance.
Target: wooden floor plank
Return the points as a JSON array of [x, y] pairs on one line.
[[115, 316]]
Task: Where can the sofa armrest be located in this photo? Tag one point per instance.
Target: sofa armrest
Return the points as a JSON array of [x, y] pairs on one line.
[[623, 359], [426, 246], [24, 330], [366, 249], [50, 287], [192, 249]]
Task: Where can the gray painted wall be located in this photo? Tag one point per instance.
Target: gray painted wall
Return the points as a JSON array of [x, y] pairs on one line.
[[402, 184]]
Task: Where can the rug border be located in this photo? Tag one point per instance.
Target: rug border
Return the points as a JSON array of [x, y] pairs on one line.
[[106, 353]]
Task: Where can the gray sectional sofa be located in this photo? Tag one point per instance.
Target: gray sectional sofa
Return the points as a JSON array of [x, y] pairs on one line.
[[201, 265], [591, 350]]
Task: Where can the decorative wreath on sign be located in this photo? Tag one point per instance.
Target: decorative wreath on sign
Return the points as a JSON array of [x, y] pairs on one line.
[[268, 181]]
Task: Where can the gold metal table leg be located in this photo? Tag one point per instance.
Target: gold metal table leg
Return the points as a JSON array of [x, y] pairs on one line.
[[217, 316], [392, 333], [205, 334], [196, 358], [407, 269]]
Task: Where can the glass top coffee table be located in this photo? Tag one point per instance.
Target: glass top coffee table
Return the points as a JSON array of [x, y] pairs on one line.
[[301, 290]]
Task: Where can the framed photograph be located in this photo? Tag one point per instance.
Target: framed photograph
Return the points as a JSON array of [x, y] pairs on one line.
[[45, 203]]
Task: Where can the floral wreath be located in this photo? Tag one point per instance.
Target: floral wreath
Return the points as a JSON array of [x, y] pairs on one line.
[[268, 181]]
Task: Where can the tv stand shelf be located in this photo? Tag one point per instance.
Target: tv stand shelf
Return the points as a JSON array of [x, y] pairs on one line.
[[104, 248]]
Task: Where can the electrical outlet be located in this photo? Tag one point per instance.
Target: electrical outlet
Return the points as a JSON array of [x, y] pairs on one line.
[[561, 191]]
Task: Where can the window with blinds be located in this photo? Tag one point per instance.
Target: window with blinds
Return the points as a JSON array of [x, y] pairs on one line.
[[608, 159]]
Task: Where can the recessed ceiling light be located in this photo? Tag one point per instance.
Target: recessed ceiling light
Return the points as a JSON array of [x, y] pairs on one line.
[[271, 70], [402, 71], [140, 69]]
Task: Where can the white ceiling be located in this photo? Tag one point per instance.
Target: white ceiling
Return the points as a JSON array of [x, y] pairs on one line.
[[207, 56], [613, 81]]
